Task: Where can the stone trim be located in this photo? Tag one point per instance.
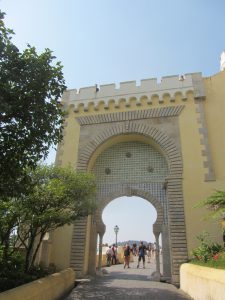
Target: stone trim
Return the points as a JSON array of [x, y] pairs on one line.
[[177, 229], [203, 131], [77, 254], [178, 242], [170, 111], [166, 144]]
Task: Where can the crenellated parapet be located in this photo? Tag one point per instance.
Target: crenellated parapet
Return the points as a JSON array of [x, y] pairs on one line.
[[149, 89]]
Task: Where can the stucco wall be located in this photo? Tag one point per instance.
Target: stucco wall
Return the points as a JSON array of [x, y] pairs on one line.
[[53, 287], [197, 131], [202, 283], [61, 247], [195, 149]]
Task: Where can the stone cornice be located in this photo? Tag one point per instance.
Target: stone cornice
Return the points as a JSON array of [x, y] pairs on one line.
[[169, 111]]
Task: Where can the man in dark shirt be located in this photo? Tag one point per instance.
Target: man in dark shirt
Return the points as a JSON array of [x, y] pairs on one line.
[[126, 255], [141, 254]]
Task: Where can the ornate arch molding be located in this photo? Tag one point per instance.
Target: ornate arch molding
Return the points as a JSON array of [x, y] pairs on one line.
[[176, 232], [165, 143]]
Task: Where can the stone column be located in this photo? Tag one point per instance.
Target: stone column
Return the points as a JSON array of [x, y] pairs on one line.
[[166, 253], [157, 260], [92, 249], [100, 252]]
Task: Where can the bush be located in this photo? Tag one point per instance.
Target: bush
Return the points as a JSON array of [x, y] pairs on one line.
[[217, 261], [208, 253], [12, 272]]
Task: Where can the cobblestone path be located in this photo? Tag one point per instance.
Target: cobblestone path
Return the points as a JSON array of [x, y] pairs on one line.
[[132, 283]]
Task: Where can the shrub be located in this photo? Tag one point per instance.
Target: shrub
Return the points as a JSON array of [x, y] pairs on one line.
[[208, 252], [12, 272]]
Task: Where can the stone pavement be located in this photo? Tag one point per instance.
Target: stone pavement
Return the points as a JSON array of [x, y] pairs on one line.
[[133, 283]]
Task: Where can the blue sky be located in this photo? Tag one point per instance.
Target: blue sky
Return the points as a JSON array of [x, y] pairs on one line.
[[107, 41], [104, 41]]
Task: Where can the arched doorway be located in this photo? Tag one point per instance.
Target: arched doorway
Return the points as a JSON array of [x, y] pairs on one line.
[[121, 146], [134, 217], [134, 168]]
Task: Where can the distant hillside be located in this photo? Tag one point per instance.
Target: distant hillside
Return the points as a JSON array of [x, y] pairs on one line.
[[131, 242]]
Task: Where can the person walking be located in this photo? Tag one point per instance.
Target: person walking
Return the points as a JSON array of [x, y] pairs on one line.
[[134, 249], [148, 252], [114, 254], [109, 254], [126, 255], [141, 254]]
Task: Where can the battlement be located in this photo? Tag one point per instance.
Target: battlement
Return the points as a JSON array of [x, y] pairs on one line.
[[148, 88]]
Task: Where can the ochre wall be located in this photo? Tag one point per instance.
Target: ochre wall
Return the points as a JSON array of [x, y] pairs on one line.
[[61, 247], [53, 287], [215, 109], [195, 188], [202, 283], [66, 154]]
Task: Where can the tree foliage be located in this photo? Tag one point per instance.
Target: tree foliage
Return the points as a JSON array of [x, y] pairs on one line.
[[215, 203], [31, 118], [58, 197]]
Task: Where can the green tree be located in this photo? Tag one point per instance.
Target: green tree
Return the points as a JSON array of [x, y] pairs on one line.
[[215, 203], [59, 196], [9, 216], [31, 117]]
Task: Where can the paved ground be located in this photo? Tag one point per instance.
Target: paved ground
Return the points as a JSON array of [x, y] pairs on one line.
[[133, 283]]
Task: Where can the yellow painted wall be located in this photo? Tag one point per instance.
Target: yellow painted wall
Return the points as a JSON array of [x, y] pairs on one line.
[[53, 287], [69, 149], [67, 155], [61, 247], [195, 188], [202, 283], [215, 110]]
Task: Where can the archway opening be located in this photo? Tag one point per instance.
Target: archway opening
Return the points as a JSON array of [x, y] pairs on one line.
[[132, 168], [134, 216]]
